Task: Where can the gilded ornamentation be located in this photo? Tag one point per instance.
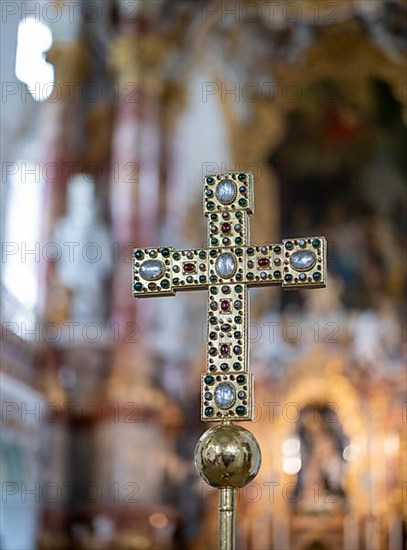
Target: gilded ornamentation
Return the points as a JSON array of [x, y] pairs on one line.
[[227, 456], [227, 269]]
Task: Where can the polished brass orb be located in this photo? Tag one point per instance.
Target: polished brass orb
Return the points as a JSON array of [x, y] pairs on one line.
[[227, 456]]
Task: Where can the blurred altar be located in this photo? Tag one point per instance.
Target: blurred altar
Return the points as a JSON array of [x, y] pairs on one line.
[[112, 113]]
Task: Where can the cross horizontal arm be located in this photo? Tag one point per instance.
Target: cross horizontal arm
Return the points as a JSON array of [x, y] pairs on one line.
[[293, 264]]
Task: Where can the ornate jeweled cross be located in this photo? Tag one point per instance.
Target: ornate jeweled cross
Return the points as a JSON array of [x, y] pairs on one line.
[[228, 267]]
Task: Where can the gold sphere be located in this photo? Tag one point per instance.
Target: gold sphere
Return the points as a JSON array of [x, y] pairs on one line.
[[227, 456]]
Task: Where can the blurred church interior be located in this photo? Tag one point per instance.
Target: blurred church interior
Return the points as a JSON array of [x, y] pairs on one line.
[[112, 113]]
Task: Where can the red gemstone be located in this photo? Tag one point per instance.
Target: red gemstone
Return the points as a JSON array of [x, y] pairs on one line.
[[189, 267], [226, 227], [225, 305], [224, 349], [264, 262]]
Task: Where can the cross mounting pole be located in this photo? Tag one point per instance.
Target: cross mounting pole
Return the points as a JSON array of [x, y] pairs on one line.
[[228, 267]]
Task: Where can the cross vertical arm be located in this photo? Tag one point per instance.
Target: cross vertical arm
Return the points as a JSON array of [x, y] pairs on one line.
[[226, 388]]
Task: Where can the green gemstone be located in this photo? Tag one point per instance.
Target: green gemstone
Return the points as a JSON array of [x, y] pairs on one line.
[[214, 289], [175, 281], [239, 251], [277, 249], [238, 334], [139, 254], [288, 277], [277, 274], [317, 276], [210, 205], [165, 283], [214, 217], [210, 411], [238, 319], [202, 278], [213, 320], [316, 243], [213, 253], [238, 240], [250, 276], [239, 277], [202, 254], [165, 252], [250, 251], [209, 379], [237, 366], [241, 379], [242, 177], [176, 255], [242, 202], [138, 286], [213, 278], [240, 410], [210, 180], [289, 245], [239, 288], [239, 215], [214, 241]]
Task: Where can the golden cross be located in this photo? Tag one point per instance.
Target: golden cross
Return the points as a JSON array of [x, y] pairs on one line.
[[228, 267]]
